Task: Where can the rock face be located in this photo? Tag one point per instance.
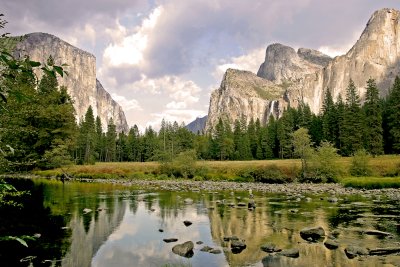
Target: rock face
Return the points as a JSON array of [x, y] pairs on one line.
[[244, 96], [81, 82], [304, 76], [283, 64]]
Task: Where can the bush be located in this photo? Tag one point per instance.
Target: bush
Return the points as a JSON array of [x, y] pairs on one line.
[[323, 165], [182, 166], [359, 164], [271, 174]]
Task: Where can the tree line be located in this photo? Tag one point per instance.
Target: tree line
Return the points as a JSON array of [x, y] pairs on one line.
[[345, 123]]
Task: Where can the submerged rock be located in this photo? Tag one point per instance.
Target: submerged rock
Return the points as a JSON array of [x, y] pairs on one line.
[[331, 244], [169, 240], [188, 201], [187, 223], [312, 233], [384, 251], [215, 251], [86, 210], [270, 247], [184, 249], [354, 251], [237, 246], [292, 253], [376, 232], [230, 238], [206, 249]]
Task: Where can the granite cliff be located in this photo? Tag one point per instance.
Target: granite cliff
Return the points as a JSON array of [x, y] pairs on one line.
[[81, 82], [303, 76]]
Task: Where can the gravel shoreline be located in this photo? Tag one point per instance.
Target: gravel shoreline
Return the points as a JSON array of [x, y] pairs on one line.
[[291, 188]]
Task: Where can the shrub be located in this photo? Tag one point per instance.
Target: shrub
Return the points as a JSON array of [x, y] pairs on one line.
[[323, 165], [182, 166], [359, 164], [270, 174]]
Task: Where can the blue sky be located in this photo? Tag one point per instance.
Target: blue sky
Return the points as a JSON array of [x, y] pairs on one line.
[[162, 58]]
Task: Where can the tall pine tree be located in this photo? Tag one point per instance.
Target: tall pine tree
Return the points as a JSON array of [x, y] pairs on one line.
[[373, 120]]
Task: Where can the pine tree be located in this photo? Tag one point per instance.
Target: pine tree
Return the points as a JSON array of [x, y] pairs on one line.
[[111, 138], [353, 124], [87, 139], [373, 120], [329, 118], [393, 121]]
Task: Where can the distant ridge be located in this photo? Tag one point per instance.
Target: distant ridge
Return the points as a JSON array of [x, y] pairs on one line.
[[197, 125]]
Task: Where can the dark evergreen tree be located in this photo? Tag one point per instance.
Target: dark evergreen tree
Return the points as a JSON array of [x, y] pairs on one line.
[[373, 120], [393, 115], [110, 144], [353, 124], [329, 118]]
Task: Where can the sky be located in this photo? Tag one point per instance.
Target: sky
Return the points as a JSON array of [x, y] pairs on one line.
[[163, 58]]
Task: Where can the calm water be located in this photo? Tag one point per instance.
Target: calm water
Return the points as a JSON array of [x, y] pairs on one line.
[[123, 227]]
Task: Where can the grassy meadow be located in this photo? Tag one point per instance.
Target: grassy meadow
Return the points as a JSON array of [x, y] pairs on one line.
[[384, 171]]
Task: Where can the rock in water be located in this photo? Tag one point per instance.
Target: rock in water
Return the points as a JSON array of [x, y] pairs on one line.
[[291, 253], [270, 247], [331, 244], [237, 246], [187, 223], [184, 249], [312, 233], [169, 240], [354, 251], [86, 210]]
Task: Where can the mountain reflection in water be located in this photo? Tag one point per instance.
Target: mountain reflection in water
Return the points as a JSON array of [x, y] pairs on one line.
[[122, 228]]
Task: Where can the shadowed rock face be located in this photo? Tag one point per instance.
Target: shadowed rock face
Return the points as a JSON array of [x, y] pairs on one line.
[[306, 74], [81, 82]]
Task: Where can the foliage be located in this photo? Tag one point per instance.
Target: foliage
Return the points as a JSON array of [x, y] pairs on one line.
[[271, 174], [181, 166], [359, 164], [324, 163], [373, 120], [302, 148]]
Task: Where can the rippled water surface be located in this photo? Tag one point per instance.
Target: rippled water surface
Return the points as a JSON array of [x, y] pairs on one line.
[[121, 227]]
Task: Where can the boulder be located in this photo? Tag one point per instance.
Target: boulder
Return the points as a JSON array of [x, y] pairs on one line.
[[184, 249], [312, 233]]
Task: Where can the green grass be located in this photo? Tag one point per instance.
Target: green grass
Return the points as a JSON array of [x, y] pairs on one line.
[[382, 168], [371, 182]]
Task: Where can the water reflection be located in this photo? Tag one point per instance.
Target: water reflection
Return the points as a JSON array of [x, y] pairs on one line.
[[123, 226]]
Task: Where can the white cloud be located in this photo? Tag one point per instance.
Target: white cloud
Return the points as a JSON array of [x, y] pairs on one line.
[[126, 104], [176, 105], [250, 61], [129, 50]]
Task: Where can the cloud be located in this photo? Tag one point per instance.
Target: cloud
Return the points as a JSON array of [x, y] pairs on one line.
[[128, 51], [250, 61], [126, 104]]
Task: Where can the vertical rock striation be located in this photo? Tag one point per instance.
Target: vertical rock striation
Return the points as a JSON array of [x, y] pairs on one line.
[[81, 82]]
